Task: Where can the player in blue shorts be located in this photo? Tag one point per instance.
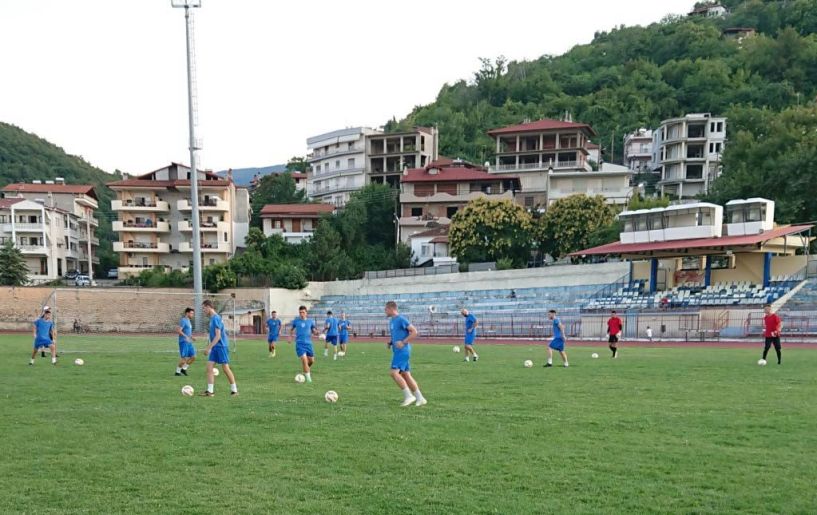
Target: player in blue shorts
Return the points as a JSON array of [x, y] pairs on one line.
[[558, 341], [402, 332], [217, 350], [45, 336], [187, 351], [331, 329], [304, 329], [273, 332], [471, 324], [343, 333]]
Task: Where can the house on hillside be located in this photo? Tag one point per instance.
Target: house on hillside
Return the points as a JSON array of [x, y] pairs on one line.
[[430, 247], [712, 10], [294, 222]]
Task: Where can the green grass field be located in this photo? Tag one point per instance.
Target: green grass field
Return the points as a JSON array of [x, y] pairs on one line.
[[659, 430]]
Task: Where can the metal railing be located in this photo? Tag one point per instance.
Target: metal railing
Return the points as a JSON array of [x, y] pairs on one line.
[[412, 272]]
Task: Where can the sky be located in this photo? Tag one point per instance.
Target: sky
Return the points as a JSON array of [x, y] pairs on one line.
[[106, 79]]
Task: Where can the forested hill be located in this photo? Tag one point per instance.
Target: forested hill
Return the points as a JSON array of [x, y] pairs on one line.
[[634, 77]]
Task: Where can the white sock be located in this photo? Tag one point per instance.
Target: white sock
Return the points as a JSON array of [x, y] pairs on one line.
[[178, 370], [550, 361], [308, 376], [210, 388], [32, 361], [406, 392], [185, 366], [418, 395], [53, 360], [467, 358], [234, 388]]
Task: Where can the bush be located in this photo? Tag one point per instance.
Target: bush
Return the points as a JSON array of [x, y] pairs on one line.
[[504, 264], [289, 276]]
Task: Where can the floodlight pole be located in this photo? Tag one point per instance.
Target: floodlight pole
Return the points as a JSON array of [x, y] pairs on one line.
[[194, 148]]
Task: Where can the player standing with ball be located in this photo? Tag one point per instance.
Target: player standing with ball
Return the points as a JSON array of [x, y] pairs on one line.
[[614, 330], [402, 332], [304, 329], [772, 325], [471, 323], [558, 341], [217, 350], [187, 351], [273, 332], [331, 330], [45, 336]]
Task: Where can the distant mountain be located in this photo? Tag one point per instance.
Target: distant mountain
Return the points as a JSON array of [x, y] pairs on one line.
[[243, 176]]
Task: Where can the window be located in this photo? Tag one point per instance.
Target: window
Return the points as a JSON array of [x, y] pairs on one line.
[[212, 261], [350, 146], [416, 211], [721, 262], [225, 237], [423, 190], [337, 164], [425, 250], [528, 201], [350, 163], [691, 263], [720, 127], [450, 211], [718, 147]]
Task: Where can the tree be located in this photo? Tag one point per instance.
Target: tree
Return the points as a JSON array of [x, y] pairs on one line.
[[13, 268], [297, 164], [492, 230], [569, 223], [277, 188]]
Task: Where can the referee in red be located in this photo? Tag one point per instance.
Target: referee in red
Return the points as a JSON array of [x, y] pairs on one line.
[[771, 330], [614, 327]]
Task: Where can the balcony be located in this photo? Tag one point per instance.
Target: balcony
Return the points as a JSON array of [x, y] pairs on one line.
[[186, 247], [159, 206], [21, 227], [527, 167], [211, 204], [140, 247], [338, 173], [317, 156], [129, 226], [94, 221], [204, 226], [83, 237], [410, 198], [33, 250]]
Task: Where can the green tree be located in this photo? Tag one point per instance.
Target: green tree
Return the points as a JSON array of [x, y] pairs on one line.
[[13, 268], [297, 164], [569, 223], [277, 188], [492, 230], [218, 277]]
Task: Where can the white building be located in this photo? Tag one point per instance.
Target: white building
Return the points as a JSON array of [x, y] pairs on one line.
[[337, 162], [638, 153], [687, 153], [430, 247], [711, 10], [293, 222]]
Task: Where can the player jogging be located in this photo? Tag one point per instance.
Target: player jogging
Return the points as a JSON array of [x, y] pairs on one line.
[[45, 336], [772, 327], [402, 332], [217, 350], [273, 332], [614, 327], [558, 341], [304, 329], [470, 335], [187, 351], [331, 330], [343, 333]]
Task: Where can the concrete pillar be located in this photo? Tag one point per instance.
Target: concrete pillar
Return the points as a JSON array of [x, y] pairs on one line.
[[708, 272], [767, 269], [653, 275]]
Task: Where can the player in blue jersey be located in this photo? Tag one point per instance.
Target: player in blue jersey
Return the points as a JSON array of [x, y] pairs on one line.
[[304, 329], [331, 329], [343, 333], [471, 324], [187, 351], [402, 332], [558, 341], [45, 336], [217, 350], [273, 332]]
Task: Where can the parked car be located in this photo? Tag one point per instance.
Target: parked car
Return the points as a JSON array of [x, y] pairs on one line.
[[113, 273], [71, 275], [82, 280]]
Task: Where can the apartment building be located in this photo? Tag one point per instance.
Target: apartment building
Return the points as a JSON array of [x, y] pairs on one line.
[[432, 195], [154, 219], [638, 150], [53, 224], [293, 222], [710, 10], [337, 164], [389, 154], [687, 153], [551, 160]]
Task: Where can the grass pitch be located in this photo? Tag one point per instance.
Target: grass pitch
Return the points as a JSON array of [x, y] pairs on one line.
[[658, 430]]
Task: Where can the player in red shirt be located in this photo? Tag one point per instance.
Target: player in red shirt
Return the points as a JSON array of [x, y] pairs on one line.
[[614, 327], [772, 326]]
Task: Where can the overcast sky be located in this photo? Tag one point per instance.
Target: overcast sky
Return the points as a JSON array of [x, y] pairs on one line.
[[105, 79]]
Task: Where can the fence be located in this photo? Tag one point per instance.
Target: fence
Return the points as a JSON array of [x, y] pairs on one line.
[[411, 272]]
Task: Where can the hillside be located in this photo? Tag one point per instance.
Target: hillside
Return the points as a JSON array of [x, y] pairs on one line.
[[25, 157]]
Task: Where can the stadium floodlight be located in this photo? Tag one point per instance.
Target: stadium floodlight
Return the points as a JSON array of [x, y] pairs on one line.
[[195, 146]]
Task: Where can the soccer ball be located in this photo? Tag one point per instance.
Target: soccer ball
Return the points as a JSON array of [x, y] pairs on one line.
[[761, 362], [456, 348], [300, 378], [528, 363], [79, 361], [341, 354], [215, 372], [187, 390], [594, 355], [331, 396], [322, 336]]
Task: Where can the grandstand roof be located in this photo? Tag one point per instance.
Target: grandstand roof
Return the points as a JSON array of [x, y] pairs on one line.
[[683, 247]]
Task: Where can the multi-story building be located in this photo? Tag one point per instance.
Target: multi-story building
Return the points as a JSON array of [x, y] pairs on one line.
[[154, 219], [61, 217], [389, 154], [687, 153], [432, 195], [710, 10], [638, 150], [293, 222], [551, 159], [337, 162]]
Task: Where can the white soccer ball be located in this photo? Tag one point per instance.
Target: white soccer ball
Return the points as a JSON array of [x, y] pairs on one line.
[[215, 372], [322, 336], [456, 348], [187, 390], [79, 361], [761, 362], [300, 378], [528, 363], [341, 354], [594, 355], [331, 396]]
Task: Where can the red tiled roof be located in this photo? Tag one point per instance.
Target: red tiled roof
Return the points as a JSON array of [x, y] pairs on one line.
[[541, 125], [450, 174], [165, 184], [699, 243], [25, 187], [8, 202], [439, 239], [591, 145], [296, 209]]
